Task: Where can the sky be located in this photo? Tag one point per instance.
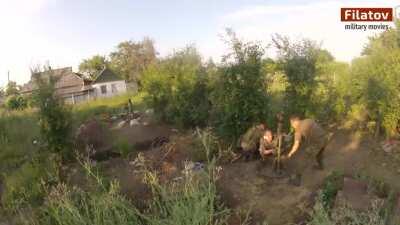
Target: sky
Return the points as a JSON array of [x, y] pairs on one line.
[[64, 32]]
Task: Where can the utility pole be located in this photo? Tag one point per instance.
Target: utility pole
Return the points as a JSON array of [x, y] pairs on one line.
[[8, 77]]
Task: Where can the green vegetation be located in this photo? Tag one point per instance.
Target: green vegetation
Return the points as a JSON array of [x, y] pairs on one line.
[[54, 119], [239, 99], [333, 183], [177, 89], [346, 216], [16, 102], [93, 66]]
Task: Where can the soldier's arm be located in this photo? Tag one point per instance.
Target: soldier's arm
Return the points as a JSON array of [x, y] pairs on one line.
[[296, 145]]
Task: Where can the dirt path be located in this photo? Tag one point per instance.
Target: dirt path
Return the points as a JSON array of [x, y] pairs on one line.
[[247, 185]]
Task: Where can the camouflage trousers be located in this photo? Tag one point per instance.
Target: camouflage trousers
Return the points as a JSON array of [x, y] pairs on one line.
[[312, 153]]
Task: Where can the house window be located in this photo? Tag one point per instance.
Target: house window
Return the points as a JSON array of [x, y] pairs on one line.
[[113, 88], [103, 89]]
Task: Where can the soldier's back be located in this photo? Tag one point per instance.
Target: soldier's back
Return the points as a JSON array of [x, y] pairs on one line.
[[310, 130]]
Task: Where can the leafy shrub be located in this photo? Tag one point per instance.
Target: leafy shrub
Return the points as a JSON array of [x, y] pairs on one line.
[[54, 119], [332, 185], [239, 99], [16, 102], [178, 90]]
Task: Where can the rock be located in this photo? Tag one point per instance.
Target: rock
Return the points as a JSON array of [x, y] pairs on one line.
[[121, 124], [134, 122]]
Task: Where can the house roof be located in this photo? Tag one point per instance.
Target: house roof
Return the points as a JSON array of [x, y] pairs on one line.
[[67, 82], [54, 73], [106, 75]]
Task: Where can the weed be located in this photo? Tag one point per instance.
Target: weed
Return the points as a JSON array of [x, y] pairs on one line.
[[330, 188]]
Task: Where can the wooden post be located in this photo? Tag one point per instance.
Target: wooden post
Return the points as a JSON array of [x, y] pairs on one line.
[[277, 162]]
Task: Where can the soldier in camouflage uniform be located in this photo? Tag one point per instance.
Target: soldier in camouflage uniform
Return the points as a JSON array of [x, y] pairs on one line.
[[249, 142], [311, 138], [268, 144]]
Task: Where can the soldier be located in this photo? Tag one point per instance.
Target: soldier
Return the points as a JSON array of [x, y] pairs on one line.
[[268, 144], [249, 142], [311, 136]]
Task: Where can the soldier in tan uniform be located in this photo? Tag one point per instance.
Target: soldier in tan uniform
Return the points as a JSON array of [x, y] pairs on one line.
[[249, 142], [310, 137]]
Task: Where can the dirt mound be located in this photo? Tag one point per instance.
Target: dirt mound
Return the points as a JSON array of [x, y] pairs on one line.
[[141, 137], [92, 136]]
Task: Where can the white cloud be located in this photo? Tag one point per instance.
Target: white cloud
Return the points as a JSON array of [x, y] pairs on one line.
[[319, 21]]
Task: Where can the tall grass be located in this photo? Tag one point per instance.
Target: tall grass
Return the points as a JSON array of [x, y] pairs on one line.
[[193, 200], [345, 215], [190, 199], [18, 130], [72, 206]]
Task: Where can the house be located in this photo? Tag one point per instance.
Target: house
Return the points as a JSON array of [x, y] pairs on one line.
[[107, 84], [75, 88]]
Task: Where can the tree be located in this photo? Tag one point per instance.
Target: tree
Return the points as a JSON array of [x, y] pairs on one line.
[[178, 88], [240, 99], [299, 63], [54, 119], [12, 88], [93, 66], [376, 81], [132, 58]]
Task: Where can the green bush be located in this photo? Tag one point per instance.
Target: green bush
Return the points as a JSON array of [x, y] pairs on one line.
[[239, 99], [177, 89], [332, 184], [16, 102], [54, 119]]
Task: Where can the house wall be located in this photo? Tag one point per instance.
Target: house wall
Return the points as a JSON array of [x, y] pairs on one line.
[[120, 88], [79, 97]]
